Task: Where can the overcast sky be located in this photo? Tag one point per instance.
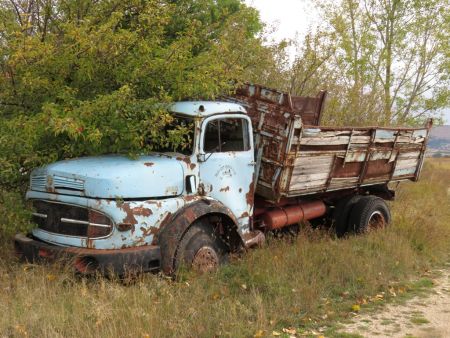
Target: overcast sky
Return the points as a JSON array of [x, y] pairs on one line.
[[291, 17]]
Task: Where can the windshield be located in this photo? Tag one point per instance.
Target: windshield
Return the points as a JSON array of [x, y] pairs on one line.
[[179, 136]]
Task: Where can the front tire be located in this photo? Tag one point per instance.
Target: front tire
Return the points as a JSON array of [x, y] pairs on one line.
[[369, 213], [201, 249]]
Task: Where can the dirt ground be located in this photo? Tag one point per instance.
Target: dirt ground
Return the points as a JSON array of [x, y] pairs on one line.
[[422, 316]]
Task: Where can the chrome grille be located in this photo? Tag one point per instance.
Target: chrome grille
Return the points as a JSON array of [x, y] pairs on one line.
[[68, 220]]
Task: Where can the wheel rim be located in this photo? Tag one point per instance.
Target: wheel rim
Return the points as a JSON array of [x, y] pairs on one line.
[[205, 260], [376, 221]]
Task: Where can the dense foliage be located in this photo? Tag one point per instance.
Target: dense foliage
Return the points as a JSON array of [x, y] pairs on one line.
[[88, 77], [82, 77]]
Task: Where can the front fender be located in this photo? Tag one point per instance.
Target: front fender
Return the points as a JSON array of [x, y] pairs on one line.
[[172, 229]]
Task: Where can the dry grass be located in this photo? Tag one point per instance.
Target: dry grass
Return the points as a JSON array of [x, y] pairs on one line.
[[307, 283]]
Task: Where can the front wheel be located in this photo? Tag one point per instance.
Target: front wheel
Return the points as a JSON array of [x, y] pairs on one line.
[[369, 213], [201, 249]]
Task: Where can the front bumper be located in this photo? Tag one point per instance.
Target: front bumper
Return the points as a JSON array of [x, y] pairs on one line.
[[86, 261]]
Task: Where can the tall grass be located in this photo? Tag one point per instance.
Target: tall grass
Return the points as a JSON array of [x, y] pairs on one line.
[[309, 281]]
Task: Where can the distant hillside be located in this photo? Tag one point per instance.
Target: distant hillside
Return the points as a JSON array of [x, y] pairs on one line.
[[439, 142], [441, 132]]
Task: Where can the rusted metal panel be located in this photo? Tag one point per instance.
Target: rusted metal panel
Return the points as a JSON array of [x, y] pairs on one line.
[[277, 119]]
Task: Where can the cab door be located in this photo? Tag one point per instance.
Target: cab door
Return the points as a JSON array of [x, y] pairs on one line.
[[227, 163]]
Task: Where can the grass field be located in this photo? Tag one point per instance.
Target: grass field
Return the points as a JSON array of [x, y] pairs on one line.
[[301, 285]]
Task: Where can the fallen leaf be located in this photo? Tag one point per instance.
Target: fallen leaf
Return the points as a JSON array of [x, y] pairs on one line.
[[258, 334], [356, 308], [276, 333], [244, 286], [290, 330], [51, 277]]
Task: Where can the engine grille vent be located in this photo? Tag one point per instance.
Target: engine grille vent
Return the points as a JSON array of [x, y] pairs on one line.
[[38, 182], [66, 183], [53, 183]]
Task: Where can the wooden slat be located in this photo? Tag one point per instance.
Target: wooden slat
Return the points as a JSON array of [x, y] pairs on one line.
[[403, 164], [337, 140], [309, 177], [409, 155]]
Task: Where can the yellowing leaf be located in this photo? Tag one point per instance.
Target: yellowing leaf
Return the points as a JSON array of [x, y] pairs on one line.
[[259, 334], [356, 307], [51, 277]]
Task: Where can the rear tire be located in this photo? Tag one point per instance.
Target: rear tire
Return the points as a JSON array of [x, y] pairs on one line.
[[368, 214], [201, 249], [342, 213]]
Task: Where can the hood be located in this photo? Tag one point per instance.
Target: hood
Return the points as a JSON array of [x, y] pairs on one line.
[[112, 177]]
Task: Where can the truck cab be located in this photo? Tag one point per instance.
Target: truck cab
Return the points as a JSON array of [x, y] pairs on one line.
[[112, 212]]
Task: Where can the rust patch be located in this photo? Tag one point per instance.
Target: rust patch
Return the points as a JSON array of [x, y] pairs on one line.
[[189, 198], [141, 211], [131, 212], [186, 159], [225, 189], [149, 164], [149, 231], [49, 186], [188, 162], [245, 214], [250, 196], [90, 243], [157, 203]]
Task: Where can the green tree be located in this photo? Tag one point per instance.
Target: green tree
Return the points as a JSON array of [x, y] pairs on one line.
[[83, 77], [384, 61]]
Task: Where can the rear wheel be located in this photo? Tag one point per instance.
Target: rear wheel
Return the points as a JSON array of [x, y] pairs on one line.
[[368, 214], [201, 249]]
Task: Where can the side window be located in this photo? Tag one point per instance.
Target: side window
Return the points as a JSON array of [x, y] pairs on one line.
[[223, 135]]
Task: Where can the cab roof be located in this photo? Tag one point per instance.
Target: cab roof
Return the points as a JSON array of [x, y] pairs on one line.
[[205, 108]]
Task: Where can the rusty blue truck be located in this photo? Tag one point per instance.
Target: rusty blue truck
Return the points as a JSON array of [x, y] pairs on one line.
[[257, 161]]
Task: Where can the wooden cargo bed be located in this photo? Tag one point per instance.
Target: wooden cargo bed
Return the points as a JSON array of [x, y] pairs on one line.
[[296, 159]]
